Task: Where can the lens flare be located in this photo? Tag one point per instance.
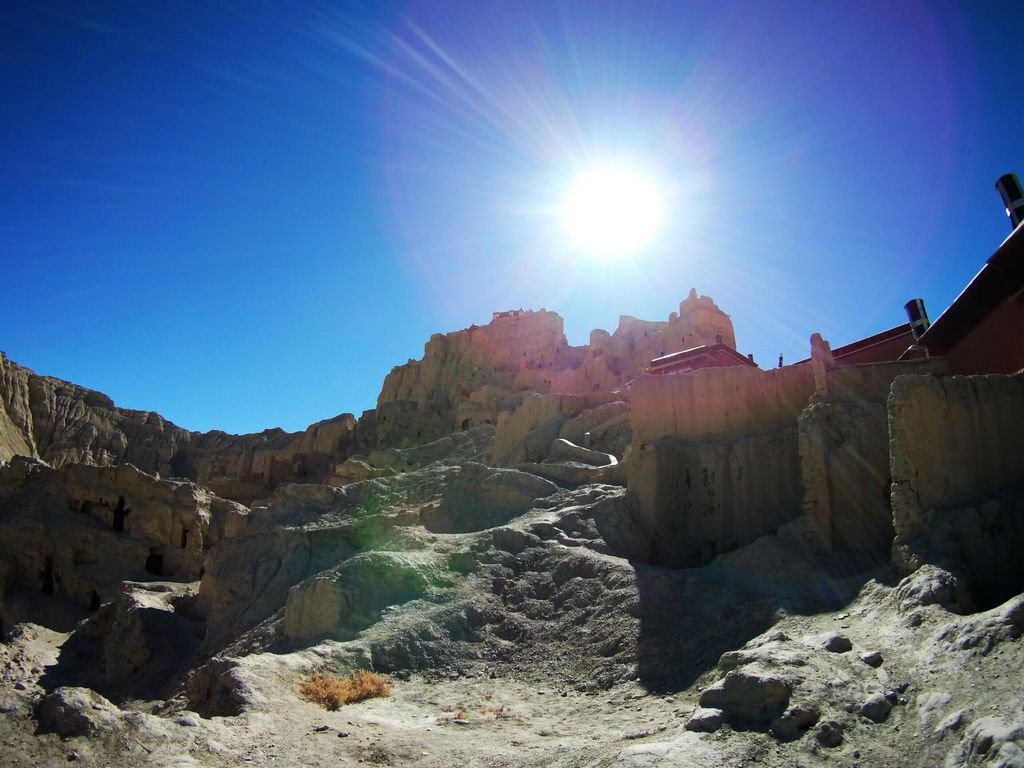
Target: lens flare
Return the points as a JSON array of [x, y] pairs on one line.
[[613, 210]]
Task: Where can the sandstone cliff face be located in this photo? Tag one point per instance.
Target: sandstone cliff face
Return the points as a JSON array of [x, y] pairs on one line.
[[486, 374], [844, 458], [958, 478], [62, 423], [714, 459], [477, 376], [508, 547], [77, 532], [429, 393]]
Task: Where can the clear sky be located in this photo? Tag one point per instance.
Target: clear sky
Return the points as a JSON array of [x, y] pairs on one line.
[[241, 215]]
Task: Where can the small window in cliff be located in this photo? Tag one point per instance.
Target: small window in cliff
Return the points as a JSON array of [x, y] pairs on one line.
[[155, 562], [184, 538], [47, 576], [465, 424], [119, 514]]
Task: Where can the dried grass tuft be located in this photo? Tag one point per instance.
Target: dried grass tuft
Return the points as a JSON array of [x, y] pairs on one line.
[[331, 692]]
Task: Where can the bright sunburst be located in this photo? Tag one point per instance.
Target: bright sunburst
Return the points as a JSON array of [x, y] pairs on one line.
[[613, 210]]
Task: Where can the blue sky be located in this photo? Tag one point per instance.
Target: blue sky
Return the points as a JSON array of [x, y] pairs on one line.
[[242, 215]]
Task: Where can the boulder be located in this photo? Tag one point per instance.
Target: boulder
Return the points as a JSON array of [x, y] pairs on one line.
[[829, 733], [876, 707], [837, 643], [750, 700], [928, 585], [794, 722], [871, 658], [70, 711], [705, 720]]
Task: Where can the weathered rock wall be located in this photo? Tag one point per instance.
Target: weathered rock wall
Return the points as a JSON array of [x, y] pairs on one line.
[[61, 423], [958, 478], [844, 458], [473, 376], [718, 403], [714, 457], [458, 363], [77, 532], [702, 499], [527, 433]]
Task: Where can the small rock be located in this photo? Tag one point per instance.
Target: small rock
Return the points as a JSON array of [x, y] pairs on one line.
[[794, 722], [829, 734], [188, 720], [952, 723], [876, 708], [322, 728], [460, 721], [345, 734], [19, 686], [838, 644], [705, 720], [871, 658]]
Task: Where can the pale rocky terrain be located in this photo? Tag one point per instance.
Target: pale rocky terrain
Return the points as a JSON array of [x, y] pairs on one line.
[[494, 538]]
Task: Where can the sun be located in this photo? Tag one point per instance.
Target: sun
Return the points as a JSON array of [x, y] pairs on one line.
[[613, 210]]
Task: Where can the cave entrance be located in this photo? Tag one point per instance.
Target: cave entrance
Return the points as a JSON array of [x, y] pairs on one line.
[[155, 562], [119, 514], [47, 575]]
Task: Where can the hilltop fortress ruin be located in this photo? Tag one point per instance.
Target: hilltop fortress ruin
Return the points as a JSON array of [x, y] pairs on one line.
[[514, 499], [849, 451]]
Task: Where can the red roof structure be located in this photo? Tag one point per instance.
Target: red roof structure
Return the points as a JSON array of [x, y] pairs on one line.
[[704, 356], [982, 331]]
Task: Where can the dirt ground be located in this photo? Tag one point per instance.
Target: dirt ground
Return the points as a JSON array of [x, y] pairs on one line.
[[958, 676]]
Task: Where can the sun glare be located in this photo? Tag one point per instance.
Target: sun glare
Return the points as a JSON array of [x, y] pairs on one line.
[[613, 211]]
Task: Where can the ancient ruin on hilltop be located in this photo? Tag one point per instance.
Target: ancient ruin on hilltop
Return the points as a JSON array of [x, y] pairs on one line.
[[642, 509]]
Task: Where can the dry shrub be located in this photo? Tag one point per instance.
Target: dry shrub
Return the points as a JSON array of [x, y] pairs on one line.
[[331, 692]]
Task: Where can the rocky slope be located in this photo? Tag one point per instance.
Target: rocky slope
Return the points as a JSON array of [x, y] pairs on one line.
[[498, 568]]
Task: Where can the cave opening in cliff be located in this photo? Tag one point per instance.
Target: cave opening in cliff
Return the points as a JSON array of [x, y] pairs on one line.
[[47, 576], [94, 601], [155, 562], [119, 514], [184, 537]]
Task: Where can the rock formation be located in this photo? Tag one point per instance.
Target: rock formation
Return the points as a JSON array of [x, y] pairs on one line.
[[785, 564]]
